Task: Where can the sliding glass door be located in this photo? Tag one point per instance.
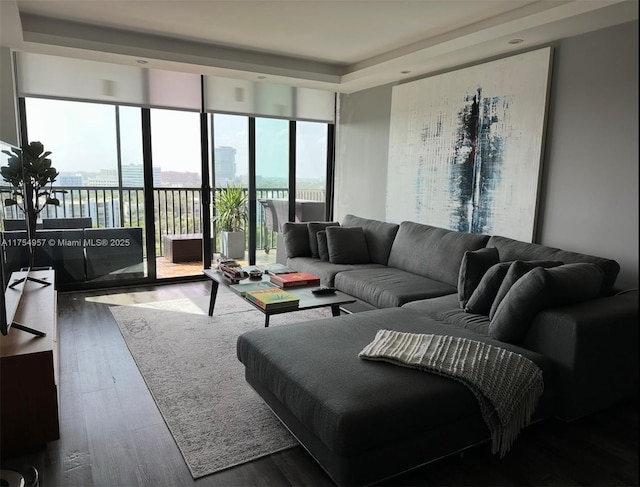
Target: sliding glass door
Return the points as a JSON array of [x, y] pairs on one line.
[[177, 202]]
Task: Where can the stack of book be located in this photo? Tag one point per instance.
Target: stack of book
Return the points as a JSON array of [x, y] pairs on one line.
[[273, 299], [232, 270], [295, 279]]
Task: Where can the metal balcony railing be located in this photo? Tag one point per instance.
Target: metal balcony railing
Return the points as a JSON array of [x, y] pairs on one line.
[[176, 210]]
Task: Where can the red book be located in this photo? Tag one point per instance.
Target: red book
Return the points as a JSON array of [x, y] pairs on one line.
[[295, 279]]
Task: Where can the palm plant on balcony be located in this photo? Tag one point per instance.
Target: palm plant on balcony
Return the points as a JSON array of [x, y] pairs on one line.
[[31, 176], [232, 213]]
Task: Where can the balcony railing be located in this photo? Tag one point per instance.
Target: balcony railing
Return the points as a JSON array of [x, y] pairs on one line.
[[176, 210]]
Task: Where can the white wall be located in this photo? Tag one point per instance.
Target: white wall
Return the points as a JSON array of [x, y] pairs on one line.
[[589, 193]]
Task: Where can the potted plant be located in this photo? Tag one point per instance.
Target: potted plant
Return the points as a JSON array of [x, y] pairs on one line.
[[231, 217], [31, 176]]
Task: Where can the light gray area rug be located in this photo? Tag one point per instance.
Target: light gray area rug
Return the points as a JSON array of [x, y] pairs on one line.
[[188, 360]]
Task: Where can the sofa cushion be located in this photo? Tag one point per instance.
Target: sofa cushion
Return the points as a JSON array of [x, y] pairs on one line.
[[387, 287], [517, 269], [524, 299], [379, 236], [347, 245], [516, 250], [325, 270], [296, 239], [432, 252], [573, 283], [323, 250], [483, 296], [540, 288], [475, 263], [314, 228]]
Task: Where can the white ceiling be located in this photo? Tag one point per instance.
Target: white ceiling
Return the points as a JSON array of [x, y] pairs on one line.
[[340, 45]]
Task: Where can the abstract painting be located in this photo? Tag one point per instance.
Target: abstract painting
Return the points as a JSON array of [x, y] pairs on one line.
[[465, 147]]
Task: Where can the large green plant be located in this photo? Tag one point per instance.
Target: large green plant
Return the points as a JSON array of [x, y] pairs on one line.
[[231, 209], [31, 176]]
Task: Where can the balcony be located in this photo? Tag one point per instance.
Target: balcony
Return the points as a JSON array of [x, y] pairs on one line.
[[176, 211]]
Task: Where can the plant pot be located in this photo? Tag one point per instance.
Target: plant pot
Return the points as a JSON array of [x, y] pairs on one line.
[[232, 245]]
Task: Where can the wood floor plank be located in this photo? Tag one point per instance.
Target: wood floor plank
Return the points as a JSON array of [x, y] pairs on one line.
[[112, 433]]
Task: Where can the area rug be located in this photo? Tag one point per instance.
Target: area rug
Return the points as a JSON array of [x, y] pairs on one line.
[[188, 360]]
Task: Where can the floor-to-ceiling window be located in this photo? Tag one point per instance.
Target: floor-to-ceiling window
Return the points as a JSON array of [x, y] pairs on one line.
[[129, 160], [177, 176]]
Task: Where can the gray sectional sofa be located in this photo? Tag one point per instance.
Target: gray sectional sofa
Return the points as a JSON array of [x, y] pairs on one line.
[[365, 421]]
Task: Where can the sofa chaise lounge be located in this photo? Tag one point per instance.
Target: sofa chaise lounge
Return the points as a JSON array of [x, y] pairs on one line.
[[364, 421]]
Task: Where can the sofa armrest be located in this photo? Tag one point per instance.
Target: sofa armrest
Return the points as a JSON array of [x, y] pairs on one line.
[[594, 348]]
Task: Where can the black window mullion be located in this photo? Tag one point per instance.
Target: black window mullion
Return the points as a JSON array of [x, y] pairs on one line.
[[252, 191], [292, 170]]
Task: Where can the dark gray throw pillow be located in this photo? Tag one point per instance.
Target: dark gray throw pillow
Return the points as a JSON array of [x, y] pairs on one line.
[[474, 265], [522, 302], [482, 297], [347, 245], [573, 283], [540, 288], [323, 250], [517, 269], [296, 239], [314, 228]]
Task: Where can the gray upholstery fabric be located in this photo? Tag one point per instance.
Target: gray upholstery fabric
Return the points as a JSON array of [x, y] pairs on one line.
[[296, 239], [352, 415], [379, 236], [432, 252], [516, 311], [347, 245], [516, 250], [573, 283], [483, 296], [313, 229], [574, 336], [388, 287], [540, 288], [321, 242], [517, 269], [475, 263], [325, 270]]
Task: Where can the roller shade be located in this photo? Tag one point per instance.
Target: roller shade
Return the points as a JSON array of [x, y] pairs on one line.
[[43, 75]]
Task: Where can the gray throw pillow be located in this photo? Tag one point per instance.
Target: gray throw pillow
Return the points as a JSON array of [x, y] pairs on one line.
[[347, 245], [517, 269], [541, 288], [474, 265], [482, 297], [573, 283], [296, 239], [323, 250], [515, 312], [314, 228]]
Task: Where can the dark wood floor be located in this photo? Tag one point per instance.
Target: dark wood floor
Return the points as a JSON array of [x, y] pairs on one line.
[[113, 435]]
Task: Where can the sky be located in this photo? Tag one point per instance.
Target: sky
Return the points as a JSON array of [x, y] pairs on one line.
[[82, 137]]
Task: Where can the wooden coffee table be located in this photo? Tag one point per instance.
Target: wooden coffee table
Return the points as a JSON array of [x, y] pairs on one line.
[[308, 300]]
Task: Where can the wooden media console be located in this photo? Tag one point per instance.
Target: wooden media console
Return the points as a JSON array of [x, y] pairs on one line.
[[29, 367]]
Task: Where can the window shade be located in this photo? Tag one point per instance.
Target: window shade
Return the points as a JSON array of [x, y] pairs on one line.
[[44, 75], [257, 98]]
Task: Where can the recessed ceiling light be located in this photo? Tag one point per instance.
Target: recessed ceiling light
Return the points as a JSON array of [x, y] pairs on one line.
[[516, 41], [141, 61]]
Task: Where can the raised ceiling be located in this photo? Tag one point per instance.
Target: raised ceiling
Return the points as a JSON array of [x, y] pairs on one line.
[[339, 45]]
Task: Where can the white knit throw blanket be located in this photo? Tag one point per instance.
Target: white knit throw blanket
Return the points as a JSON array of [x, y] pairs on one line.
[[506, 384]]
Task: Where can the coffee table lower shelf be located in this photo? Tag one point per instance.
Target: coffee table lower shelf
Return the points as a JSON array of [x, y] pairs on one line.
[[308, 300]]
